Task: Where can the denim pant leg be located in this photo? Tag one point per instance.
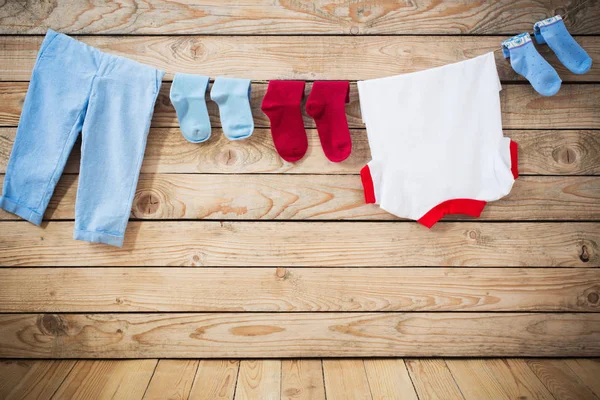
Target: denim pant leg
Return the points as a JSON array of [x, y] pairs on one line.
[[50, 122], [113, 142]]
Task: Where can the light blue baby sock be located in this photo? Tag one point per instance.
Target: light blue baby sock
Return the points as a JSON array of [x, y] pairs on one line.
[[554, 32], [526, 61], [188, 97], [233, 98]]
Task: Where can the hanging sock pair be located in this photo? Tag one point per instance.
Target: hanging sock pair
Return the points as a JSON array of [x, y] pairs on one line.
[[232, 96], [526, 60], [325, 104]]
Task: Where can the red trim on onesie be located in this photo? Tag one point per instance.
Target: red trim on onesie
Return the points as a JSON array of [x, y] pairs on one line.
[[514, 159], [469, 207], [456, 206], [367, 182]]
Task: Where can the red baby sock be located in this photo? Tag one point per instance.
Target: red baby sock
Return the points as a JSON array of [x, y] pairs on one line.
[[282, 105], [326, 104]]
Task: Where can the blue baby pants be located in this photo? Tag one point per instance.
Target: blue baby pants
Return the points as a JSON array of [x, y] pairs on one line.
[[109, 99]]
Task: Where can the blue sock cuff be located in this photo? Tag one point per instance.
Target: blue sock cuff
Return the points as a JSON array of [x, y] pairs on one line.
[[537, 31], [514, 42]]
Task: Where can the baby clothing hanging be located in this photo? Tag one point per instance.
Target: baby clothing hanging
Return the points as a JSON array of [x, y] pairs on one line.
[[436, 141], [110, 99]]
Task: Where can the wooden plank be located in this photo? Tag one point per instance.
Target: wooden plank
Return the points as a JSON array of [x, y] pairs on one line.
[[264, 17], [293, 57], [107, 379], [319, 244], [389, 379], [541, 152], [322, 197], [259, 379], [215, 380], [517, 379], [346, 380], [588, 371], [172, 380], [38, 379], [574, 107], [295, 335], [475, 381], [298, 289], [560, 380], [432, 380], [302, 379]]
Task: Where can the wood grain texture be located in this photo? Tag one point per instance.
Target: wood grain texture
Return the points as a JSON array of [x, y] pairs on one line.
[[282, 335], [39, 379], [346, 379], [475, 380], [588, 371], [211, 243], [389, 379], [302, 379], [574, 107], [215, 380], [322, 197], [298, 289], [172, 379], [517, 379], [259, 379], [266, 17], [292, 57], [433, 380], [541, 152], [560, 380], [107, 379]]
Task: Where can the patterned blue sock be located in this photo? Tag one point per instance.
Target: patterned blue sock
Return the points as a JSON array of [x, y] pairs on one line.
[[526, 61], [188, 97], [554, 32], [233, 98]]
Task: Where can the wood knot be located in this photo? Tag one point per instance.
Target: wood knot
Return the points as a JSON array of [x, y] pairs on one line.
[[564, 155], [559, 11], [256, 330], [227, 157], [52, 325], [196, 258], [473, 234], [281, 273], [148, 204], [593, 297], [584, 256], [354, 30]]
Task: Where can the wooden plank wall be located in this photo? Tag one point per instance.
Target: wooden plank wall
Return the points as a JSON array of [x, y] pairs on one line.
[[286, 259]]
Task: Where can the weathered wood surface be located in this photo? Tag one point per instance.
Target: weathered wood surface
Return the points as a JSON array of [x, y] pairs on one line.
[[302, 380], [215, 380], [107, 379], [26, 379], [389, 379], [433, 380], [574, 107], [346, 379], [266, 17], [298, 289], [172, 379], [292, 57], [322, 197], [293, 335], [259, 379], [560, 380], [365, 244], [541, 152]]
